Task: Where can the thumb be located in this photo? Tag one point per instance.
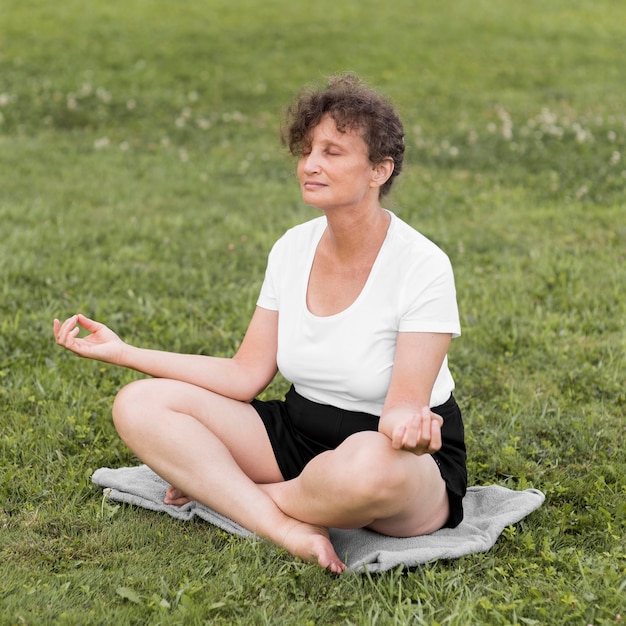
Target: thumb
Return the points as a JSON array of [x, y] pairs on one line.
[[88, 324]]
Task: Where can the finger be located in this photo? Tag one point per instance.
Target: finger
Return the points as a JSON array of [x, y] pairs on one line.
[[64, 329], [426, 421], [71, 333], [397, 440], [68, 336], [435, 439], [437, 418], [56, 327], [412, 432], [68, 324]]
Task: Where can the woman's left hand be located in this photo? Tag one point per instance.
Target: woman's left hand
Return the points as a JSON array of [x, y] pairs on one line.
[[416, 431]]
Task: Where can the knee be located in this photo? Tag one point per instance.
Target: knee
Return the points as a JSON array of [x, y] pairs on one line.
[[376, 469], [129, 407]]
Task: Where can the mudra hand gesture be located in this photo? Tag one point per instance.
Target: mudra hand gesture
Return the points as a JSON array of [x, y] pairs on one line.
[[101, 344]]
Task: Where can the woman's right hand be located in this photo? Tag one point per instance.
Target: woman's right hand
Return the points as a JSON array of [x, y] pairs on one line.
[[101, 344]]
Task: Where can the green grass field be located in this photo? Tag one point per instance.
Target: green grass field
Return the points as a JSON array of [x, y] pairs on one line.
[[142, 182]]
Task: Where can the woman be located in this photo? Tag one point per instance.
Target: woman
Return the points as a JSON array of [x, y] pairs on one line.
[[357, 309]]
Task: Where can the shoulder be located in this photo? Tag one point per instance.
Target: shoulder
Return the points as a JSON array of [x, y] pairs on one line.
[[412, 245]]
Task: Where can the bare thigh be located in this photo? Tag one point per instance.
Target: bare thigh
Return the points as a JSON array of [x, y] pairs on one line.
[[366, 482], [427, 508], [419, 498], [156, 403], [369, 483]]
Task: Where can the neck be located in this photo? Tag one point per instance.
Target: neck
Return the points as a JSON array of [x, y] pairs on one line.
[[351, 234]]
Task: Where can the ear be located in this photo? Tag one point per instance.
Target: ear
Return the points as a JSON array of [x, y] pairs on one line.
[[382, 171]]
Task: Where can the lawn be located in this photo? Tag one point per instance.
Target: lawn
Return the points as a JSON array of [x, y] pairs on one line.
[[142, 182]]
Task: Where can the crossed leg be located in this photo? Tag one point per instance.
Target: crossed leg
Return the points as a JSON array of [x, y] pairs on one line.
[[215, 450], [364, 482]]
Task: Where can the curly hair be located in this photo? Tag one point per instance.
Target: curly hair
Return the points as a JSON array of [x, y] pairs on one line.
[[354, 107]]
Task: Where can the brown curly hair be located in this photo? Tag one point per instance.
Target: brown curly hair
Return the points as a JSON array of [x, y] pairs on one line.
[[353, 106]]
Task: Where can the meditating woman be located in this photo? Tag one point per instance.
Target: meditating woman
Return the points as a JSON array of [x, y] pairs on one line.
[[357, 310]]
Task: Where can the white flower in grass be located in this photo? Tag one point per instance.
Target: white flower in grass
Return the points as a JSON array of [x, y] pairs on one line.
[[507, 122], [556, 131], [235, 116], [616, 157], [582, 192], [101, 143], [131, 105], [582, 135], [104, 95], [547, 117], [5, 98], [184, 116]]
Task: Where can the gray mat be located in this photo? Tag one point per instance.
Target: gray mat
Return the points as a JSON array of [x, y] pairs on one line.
[[488, 511]]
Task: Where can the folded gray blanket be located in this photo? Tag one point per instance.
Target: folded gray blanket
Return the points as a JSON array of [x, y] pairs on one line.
[[488, 511]]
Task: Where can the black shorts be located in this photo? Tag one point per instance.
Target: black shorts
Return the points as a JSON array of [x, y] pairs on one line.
[[300, 429]]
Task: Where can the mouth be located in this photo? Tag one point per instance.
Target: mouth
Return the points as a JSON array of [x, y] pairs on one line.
[[312, 185]]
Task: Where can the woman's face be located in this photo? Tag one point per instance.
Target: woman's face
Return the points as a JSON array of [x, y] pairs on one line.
[[334, 170]]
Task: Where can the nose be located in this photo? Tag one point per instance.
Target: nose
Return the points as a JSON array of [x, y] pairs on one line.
[[310, 163]]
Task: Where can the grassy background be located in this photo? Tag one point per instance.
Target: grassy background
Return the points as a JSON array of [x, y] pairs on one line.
[[142, 182]]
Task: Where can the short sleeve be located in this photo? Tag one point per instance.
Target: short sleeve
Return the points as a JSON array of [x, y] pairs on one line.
[[431, 306], [268, 298]]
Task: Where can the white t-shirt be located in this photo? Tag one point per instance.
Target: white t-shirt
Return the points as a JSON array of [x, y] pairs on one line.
[[346, 359]]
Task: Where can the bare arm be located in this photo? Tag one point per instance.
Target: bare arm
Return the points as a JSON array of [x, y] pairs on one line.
[[406, 418], [241, 377]]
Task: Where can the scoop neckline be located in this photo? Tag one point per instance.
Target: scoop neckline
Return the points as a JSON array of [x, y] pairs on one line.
[[368, 281]]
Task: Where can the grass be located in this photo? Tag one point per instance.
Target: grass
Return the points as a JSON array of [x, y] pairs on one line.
[[142, 182]]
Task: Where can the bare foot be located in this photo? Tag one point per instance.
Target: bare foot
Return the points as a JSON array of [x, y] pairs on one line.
[[306, 541], [312, 543], [175, 496]]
